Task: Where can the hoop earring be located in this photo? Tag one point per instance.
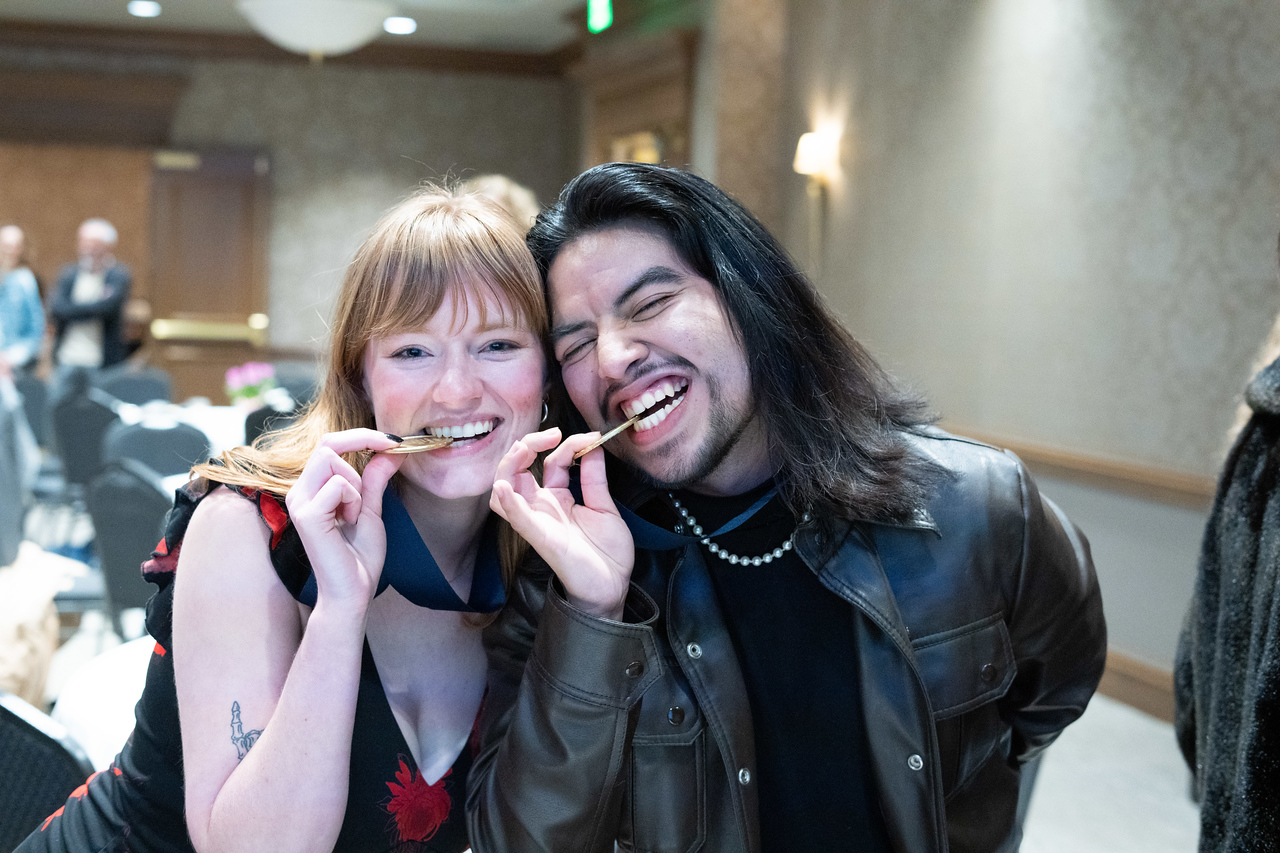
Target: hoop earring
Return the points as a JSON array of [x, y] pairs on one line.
[[546, 412]]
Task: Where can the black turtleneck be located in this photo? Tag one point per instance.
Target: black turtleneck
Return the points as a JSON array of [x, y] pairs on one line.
[[794, 640]]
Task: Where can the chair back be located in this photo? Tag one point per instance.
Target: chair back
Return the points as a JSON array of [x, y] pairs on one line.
[[35, 402], [137, 385], [128, 506], [167, 451], [299, 378], [80, 420], [40, 765], [264, 420]]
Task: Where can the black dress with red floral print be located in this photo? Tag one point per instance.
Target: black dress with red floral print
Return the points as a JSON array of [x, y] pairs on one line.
[[137, 805]]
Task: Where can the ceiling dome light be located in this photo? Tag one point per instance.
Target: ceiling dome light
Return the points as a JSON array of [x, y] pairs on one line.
[[398, 26], [317, 27], [144, 8]]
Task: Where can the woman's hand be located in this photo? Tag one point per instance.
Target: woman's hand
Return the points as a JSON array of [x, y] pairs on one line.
[[338, 515], [587, 545]]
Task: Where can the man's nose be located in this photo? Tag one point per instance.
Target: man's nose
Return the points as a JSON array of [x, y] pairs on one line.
[[616, 352], [458, 384]]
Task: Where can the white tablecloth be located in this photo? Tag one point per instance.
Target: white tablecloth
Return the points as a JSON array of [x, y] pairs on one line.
[[96, 704]]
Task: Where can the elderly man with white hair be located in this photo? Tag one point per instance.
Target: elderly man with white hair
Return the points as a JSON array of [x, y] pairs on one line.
[[88, 301]]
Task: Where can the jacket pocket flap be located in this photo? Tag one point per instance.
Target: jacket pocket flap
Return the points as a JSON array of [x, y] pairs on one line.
[[966, 666]]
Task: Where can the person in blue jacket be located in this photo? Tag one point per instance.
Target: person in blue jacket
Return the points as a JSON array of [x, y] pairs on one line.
[[21, 314]]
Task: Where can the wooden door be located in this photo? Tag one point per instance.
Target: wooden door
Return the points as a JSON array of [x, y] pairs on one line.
[[209, 247]]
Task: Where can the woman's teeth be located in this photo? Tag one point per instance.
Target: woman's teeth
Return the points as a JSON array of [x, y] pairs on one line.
[[653, 397], [465, 431]]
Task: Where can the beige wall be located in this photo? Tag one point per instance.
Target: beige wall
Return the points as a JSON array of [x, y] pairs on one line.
[[348, 143], [1056, 217]]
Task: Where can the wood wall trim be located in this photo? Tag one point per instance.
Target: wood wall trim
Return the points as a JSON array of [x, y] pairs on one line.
[[211, 45], [86, 107], [1138, 685], [272, 352], [1163, 485]]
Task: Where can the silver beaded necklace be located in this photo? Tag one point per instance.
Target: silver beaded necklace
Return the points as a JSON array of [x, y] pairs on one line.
[[735, 559]]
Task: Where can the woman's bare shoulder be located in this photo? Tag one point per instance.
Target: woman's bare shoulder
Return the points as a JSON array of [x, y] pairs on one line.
[[228, 537]]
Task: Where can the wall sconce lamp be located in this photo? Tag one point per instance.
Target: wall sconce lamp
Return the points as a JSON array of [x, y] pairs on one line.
[[817, 158]]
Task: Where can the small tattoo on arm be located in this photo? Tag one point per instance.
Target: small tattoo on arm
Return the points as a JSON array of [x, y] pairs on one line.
[[243, 740]]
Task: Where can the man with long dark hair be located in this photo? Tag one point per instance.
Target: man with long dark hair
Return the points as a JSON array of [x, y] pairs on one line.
[[811, 621]]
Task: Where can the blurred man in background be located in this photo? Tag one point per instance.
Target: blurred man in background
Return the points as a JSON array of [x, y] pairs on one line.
[[88, 301]]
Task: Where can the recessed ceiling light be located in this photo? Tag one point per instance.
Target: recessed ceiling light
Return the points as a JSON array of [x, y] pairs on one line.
[[144, 8], [400, 26]]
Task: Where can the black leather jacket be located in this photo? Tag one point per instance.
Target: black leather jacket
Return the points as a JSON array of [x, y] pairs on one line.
[[979, 635]]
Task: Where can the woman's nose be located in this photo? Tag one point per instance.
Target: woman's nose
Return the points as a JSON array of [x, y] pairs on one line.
[[616, 352], [458, 385]]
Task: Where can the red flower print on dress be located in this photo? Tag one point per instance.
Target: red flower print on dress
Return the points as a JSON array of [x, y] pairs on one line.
[[419, 808]]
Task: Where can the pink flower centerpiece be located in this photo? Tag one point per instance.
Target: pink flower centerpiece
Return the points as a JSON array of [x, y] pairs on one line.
[[247, 383]]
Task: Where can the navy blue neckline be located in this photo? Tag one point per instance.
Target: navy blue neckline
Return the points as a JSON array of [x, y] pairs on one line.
[[410, 569]]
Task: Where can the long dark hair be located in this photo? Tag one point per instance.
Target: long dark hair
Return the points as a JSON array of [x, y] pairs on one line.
[[836, 422]]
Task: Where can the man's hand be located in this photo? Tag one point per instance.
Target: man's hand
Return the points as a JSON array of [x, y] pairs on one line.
[[587, 545]]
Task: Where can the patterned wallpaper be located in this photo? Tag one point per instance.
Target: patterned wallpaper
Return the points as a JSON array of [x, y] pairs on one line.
[[348, 143], [1058, 218], [747, 40]]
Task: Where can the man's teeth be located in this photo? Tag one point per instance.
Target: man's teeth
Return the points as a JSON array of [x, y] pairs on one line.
[[658, 416], [465, 431], [649, 398]]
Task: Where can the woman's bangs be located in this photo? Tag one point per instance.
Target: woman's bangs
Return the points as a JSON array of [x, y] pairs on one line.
[[475, 278]]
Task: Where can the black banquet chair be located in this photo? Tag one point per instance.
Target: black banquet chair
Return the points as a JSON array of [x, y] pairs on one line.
[[35, 402], [137, 385], [264, 420], [167, 451], [128, 507], [80, 420], [40, 765]]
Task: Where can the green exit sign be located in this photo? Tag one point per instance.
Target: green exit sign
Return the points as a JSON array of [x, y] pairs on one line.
[[599, 15]]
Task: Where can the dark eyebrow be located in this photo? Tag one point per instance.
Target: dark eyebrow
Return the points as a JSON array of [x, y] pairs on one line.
[[653, 275], [565, 331]]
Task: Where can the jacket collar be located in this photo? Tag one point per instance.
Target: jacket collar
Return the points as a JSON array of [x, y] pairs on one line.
[[846, 561]]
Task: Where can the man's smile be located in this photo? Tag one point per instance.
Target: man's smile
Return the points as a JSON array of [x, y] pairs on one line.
[[655, 403]]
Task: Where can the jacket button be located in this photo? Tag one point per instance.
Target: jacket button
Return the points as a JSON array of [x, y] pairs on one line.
[[915, 762], [744, 776], [694, 650], [988, 672], [635, 669], [675, 716]]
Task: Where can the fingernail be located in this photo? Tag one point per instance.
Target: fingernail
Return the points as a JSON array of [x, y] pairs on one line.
[[395, 438]]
